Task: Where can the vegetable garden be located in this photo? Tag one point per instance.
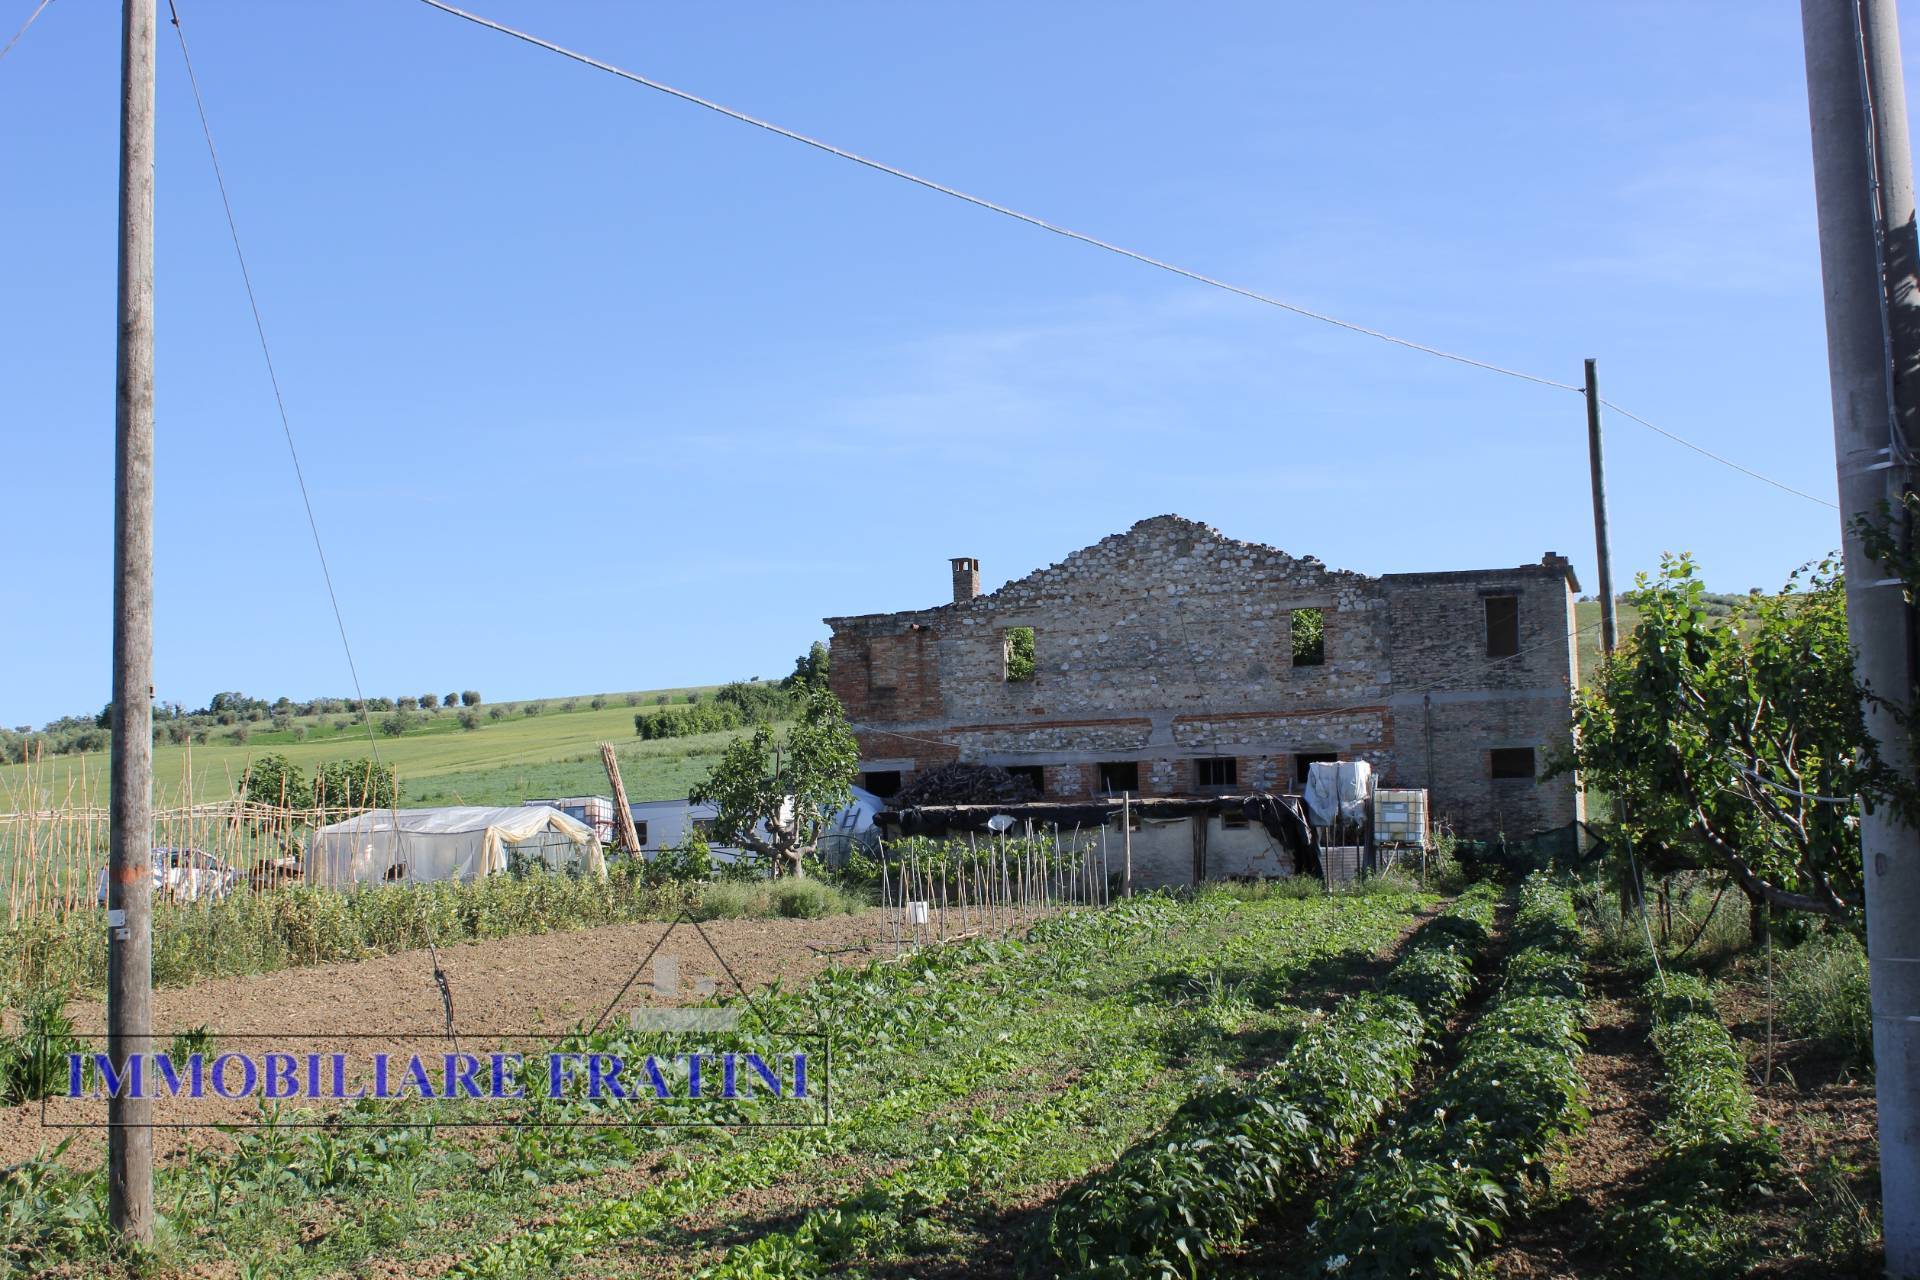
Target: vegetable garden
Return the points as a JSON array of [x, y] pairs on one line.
[[1381, 1082]]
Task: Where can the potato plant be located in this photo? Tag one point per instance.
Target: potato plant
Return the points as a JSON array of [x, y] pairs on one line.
[[1714, 1156], [1180, 1198], [1428, 1198]]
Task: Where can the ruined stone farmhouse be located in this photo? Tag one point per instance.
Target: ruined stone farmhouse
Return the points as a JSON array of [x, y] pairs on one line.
[[1171, 660]]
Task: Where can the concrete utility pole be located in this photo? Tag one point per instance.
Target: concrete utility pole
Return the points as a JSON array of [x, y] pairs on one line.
[[129, 884], [1863, 190], [1603, 546]]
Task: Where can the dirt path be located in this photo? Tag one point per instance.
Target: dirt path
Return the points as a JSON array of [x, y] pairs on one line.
[[527, 987], [1607, 1158]]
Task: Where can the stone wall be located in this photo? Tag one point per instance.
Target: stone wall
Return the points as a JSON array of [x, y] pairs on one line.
[[1170, 642]]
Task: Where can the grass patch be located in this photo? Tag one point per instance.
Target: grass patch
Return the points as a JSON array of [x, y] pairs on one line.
[[1823, 996]]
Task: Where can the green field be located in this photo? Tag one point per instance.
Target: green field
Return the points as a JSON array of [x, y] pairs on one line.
[[503, 761], [1587, 619]]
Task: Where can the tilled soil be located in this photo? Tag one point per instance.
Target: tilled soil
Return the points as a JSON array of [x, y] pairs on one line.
[[532, 988]]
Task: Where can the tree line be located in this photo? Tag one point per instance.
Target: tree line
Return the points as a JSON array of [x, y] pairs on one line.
[[233, 711]]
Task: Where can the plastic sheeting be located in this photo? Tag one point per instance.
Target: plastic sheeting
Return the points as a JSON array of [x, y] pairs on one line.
[[426, 846], [1337, 787]]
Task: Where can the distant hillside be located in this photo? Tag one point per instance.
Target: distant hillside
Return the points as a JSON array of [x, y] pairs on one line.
[[508, 756], [1587, 615]]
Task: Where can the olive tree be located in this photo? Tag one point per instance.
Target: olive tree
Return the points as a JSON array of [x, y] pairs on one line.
[[776, 799]]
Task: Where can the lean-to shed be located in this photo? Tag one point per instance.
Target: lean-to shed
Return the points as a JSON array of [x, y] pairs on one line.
[[425, 846]]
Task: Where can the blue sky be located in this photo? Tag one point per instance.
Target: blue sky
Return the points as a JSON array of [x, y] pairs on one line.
[[697, 387]]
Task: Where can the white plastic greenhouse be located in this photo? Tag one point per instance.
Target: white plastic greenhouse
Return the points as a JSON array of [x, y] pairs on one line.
[[426, 846]]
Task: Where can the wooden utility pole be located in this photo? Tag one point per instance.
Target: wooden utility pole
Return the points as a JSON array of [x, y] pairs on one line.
[[1602, 546], [1863, 193], [130, 883], [622, 815]]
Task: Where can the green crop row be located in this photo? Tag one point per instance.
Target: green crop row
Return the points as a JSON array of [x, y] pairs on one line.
[[1428, 1198], [1178, 1200], [1714, 1156]]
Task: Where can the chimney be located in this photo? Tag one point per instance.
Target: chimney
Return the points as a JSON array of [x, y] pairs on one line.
[[966, 578]]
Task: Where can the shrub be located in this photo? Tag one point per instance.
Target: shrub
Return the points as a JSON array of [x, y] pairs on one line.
[[396, 724], [469, 720], [691, 859], [532, 709], [33, 1064], [728, 900], [796, 899], [495, 713], [792, 898], [406, 704], [598, 703]]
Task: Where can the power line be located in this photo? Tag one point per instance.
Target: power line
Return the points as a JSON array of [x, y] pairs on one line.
[[273, 376], [23, 27], [1070, 234], [982, 202], [1707, 453]]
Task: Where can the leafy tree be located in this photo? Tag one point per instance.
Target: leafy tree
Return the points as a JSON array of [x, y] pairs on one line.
[[356, 784], [777, 800], [275, 780], [406, 704], [470, 698], [1740, 743], [396, 724], [598, 703], [811, 669], [453, 700], [469, 720], [428, 701]]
